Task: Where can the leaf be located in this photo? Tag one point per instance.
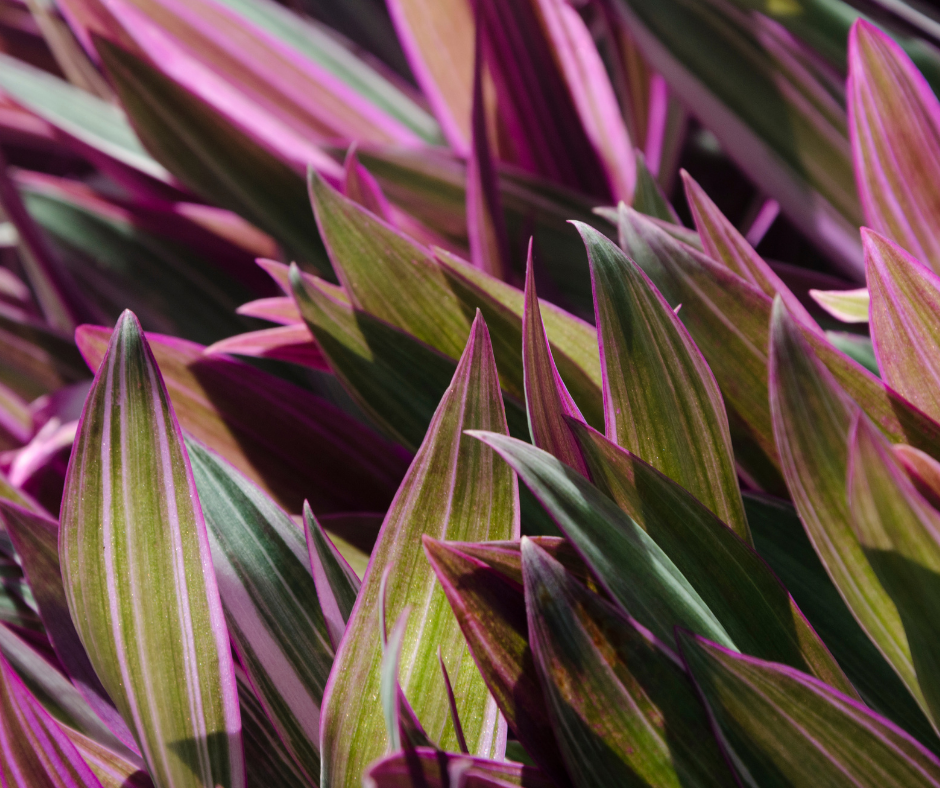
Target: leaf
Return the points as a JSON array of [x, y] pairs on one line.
[[268, 761], [212, 156], [812, 416], [547, 398], [137, 574], [270, 602], [856, 347], [923, 470], [783, 727], [894, 124], [905, 297], [660, 398], [849, 306], [490, 609], [336, 583], [292, 343], [782, 541], [36, 752], [621, 707], [35, 538], [360, 187], [898, 531], [292, 443], [742, 592], [424, 767], [444, 73], [455, 489], [649, 198], [629, 565], [111, 769]]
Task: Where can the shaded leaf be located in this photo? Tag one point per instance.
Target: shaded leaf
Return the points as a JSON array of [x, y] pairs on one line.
[[427, 768]]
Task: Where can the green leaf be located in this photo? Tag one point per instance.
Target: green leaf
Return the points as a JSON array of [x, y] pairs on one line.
[[622, 709], [212, 156], [455, 489], [629, 565], [111, 769], [490, 608], [784, 728], [336, 583], [849, 306], [781, 540], [898, 531], [270, 602], [661, 400], [905, 300], [136, 567], [648, 198], [812, 417], [752, 605]]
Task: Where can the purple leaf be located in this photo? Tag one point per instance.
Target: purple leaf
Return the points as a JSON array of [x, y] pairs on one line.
[[293, 343], [427, 768]]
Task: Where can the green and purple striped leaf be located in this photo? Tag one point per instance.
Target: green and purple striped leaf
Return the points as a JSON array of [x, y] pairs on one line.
[[292, 443], [270, 602], [137, 571], [628, 564], [752, 605], [905, 302], [622, 709], [661, 400], [899, 532], [292, 343], [111, 769], [894, 125], [336, 583], [36, 753], [781, 727], [923, 470], [490, 608], [455, 489], [36, 539], [812, 418], [424, 767], [546, 396]]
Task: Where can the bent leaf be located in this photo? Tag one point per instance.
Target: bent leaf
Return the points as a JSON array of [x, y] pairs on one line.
[[785, 728], [136, 567], [455, 489], [849, 306], [622, 709]]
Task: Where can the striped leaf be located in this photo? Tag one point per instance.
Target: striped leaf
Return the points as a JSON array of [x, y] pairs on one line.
[[111, 769], [849, 306], [812, 416], [36, 753], [894, 125], [136, 567], [428, 768], [661, 400], [628, 564], [36, 539], [621, 707], [270, 602], [337, 584], [905, 301], [456, 489], [784, 728]]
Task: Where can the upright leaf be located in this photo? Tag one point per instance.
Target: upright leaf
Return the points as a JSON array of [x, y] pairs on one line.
[[622, 709], [547, 398], [490, 609], [336, 582], [270, 602], [455, 489], [894, 125], [661, 400], [629, 565], [138, 574], [752, 605], [905, 301], [783, 728], [900, 534], [36, 539], [812, 416], [36, 752]]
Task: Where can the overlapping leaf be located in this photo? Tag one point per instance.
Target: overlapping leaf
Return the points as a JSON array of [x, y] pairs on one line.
[[137, 573], [456, 489]]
